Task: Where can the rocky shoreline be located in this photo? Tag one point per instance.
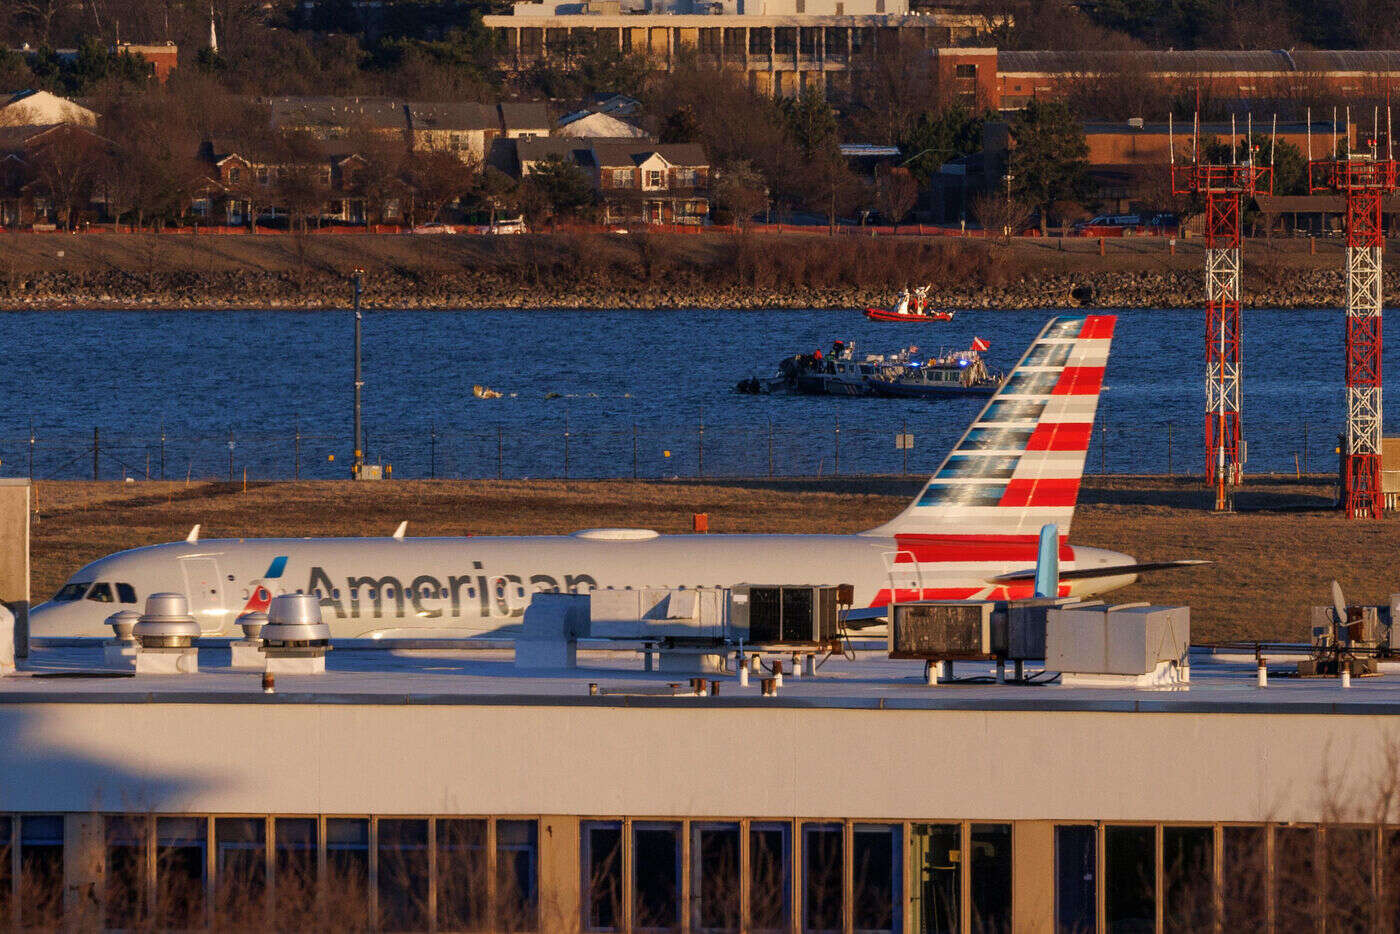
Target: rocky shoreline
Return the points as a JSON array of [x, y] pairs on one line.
[[243, 289]]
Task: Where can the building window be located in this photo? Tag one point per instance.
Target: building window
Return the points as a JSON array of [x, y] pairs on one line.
[[1130, 874], [294, 849], [1243, 864], [180, 871], [1076, 879], [41, 869], [877, 868], [7, 882], [770, 872], [240, 867], [714, 876], [1188, 879], [602, 875], [124, 888], [403, 874], [462, 867], [235, 174], [347, 857], [655, 179], [517, 874], [622, 178], [937, 895], [823, 877], [656, 875], [965, 71], [687, 178], [1349, 860], [1295, 876], [264, 176], [990, 870]]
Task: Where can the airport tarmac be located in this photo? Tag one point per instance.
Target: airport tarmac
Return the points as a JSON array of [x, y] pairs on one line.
[[1257, 587]]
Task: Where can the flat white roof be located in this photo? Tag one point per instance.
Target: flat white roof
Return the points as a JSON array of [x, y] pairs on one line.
[[1220, 684]]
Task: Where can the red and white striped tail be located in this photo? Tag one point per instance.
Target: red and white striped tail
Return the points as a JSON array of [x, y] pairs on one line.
[[1018, 466]]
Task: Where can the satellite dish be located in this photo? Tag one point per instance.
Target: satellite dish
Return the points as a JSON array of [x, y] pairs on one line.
[[1339, 604]]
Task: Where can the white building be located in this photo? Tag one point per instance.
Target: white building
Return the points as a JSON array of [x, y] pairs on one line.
[[613, 798]]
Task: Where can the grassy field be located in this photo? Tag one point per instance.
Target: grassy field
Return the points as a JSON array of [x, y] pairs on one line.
[[1271, 560]]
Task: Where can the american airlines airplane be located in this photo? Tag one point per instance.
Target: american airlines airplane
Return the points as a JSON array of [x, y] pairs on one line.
[[972, 532]]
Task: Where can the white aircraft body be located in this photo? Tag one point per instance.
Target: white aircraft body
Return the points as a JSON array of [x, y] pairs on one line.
[[972, 532]]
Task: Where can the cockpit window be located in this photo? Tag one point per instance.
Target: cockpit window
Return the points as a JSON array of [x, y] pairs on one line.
[[126, 593], [101, 592], [73, 591]]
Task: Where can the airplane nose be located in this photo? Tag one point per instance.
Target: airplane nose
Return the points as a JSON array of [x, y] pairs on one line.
[[62, 621]]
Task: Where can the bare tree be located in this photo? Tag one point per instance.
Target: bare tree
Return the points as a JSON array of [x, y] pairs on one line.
[[896, 193], [67, 164], [999, 214], [437, 178]]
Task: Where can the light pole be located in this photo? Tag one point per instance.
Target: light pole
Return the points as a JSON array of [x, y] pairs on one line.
[[1006, 228], [359, 461]]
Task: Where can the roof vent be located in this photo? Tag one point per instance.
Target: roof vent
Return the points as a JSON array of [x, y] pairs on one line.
[[122, 623], [167, 622], [617, 535], [294, 621]]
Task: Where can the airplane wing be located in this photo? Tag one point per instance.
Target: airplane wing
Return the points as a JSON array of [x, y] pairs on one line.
[[1114, 571]]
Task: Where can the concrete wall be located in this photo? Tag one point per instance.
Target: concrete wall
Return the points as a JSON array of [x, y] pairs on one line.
[[238, 754], [14, 556]]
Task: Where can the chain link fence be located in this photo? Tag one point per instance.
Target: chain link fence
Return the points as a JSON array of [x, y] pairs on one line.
[[606, 449]]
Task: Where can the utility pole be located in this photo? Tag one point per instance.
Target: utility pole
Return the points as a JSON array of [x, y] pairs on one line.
[[359, 462]]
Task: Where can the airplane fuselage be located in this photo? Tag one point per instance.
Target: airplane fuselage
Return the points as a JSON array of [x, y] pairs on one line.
[[470, 587]]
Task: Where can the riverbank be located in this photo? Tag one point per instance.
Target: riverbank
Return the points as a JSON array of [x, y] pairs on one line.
[[574, 270], [1271, 561]]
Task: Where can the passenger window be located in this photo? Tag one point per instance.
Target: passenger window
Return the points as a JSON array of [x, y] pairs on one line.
[[101, 592], [126, 593]]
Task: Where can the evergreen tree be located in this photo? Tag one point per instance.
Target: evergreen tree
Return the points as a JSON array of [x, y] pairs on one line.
[[1049, 161]]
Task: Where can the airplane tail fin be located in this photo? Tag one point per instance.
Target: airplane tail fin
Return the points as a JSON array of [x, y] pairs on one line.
[[1018, 466]]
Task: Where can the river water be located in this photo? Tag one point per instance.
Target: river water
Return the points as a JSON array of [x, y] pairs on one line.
[[596, 393]]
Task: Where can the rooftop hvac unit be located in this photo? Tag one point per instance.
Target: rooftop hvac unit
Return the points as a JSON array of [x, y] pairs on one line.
[[770, 614], [941, 631]]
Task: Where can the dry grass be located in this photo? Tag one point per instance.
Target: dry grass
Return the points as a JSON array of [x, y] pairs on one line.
[[1269, 566], [655, 256]]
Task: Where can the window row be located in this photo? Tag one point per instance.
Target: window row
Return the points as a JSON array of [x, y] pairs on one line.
[[189, 872], [763, 876], [1239, 878]]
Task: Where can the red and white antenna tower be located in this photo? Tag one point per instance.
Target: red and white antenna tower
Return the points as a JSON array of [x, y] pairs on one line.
[[1365, 177], [1222, 185]]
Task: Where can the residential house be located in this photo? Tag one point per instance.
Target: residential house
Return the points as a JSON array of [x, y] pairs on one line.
[[591, 124], [464, 127], [50, 175], [328, 118], [249, 185], [524, 119], [41, 108], [636, 181], [651, 182]]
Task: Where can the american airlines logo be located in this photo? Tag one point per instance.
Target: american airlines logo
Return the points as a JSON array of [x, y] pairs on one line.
[[430, 597]]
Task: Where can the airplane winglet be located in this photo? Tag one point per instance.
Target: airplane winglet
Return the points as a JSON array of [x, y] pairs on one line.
[[399, 532], [1047, 562], [194, 534]]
